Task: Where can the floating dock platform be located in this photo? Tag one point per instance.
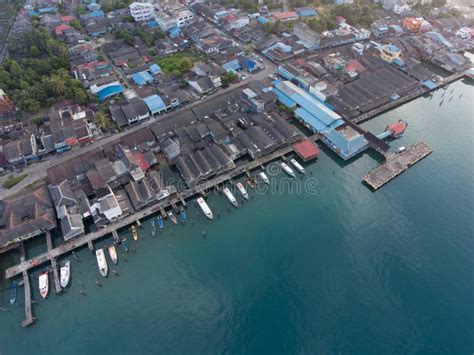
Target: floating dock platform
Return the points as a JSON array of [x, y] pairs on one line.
[[397, 163]]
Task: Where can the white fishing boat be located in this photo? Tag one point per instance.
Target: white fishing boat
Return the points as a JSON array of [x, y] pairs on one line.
[[287, 169], [43, 281], [264, 178], [230, 196], [242, 190], [65, 273], [102, 262], [297, 166], [205, 208], [113, 254]]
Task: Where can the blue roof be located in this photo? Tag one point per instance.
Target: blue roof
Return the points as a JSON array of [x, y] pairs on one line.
[[306, 11], [109, 91], [393, 48], [262, 20], [155, 69], [429, 84], [174, 32], [47, 9], [221, 13], [96, 13], [311, 111], [142, 78], [249, 63], [233, 65], [152, 23], [155, 104]]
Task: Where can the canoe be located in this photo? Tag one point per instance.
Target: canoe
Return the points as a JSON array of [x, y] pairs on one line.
[[13, 292], [65, 273], [134, 232], [125, 245], [102, 262], [113, 254], [153, 227], [43, 281], [161, 223]]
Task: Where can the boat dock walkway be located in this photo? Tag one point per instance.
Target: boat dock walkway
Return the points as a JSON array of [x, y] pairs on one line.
[[29, 319], [54, 265], [88, 239], [397, 163]]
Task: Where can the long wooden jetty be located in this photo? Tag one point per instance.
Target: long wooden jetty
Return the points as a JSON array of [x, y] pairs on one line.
[[397, 163], [29, 319], [88, 239]]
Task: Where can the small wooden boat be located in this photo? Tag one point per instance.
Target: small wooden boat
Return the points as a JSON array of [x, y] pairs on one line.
[[153, 227], [161, 222], [113, 254], [125, 245], [172, 217], [13, 292], [182, 215], [134, 232], [250, 183], [65, 273], [43, 281], [102, 262]]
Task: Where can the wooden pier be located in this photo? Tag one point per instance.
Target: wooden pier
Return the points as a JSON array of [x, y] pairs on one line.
[[54, 265], [29, 319], [397, 163], [88, 239]]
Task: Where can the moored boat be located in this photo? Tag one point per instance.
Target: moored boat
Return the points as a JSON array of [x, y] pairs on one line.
[[43, 281], [65, 273], [242, 190], [125, 245], [264, 177], [13, 292], [153, 227], [297, 166], [113, 254], [250, 183], [134, 232], [182, 215], [230, 196], [205, 208], [102, 262], [287, 169], [161, 222], [172, 217]]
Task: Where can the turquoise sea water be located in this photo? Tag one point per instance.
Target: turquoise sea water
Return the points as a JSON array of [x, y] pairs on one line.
[[339, 269]]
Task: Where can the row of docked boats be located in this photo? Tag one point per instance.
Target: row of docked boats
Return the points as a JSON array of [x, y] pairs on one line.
[[289, 171]]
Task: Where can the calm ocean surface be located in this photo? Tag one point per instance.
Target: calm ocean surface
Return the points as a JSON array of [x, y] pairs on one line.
[[337, 269]]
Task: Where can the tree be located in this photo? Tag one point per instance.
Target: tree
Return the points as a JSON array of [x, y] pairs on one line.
[[103, 120]]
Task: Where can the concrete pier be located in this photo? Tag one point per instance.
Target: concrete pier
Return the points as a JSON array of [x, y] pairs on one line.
[[397, 163]]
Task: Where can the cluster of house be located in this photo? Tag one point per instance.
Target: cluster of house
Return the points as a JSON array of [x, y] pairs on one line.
[[108, 183], [67, 125]]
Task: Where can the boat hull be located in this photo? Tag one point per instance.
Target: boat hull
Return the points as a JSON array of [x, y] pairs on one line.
[[113, 254], [43, 281], [205, 208], [102, 262], [65, 274]]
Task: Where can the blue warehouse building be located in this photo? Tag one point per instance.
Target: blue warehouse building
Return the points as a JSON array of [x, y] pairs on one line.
[[319, 118], [155, 104]]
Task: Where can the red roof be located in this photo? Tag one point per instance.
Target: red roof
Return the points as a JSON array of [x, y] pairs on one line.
[[61, 28], [307, 150], [397, 128], [67, 18], [140, 159], [285, 15], [355, 65]]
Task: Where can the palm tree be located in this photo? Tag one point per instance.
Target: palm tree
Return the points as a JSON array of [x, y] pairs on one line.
[[103, 120]]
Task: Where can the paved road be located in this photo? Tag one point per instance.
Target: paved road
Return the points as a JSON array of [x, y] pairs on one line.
[[37, 171]]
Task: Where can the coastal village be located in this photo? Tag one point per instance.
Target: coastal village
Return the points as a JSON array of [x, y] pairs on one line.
[[202, 91]]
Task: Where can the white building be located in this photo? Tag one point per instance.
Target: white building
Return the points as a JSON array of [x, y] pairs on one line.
[[142, 11], [173, 14], [400, 7]]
